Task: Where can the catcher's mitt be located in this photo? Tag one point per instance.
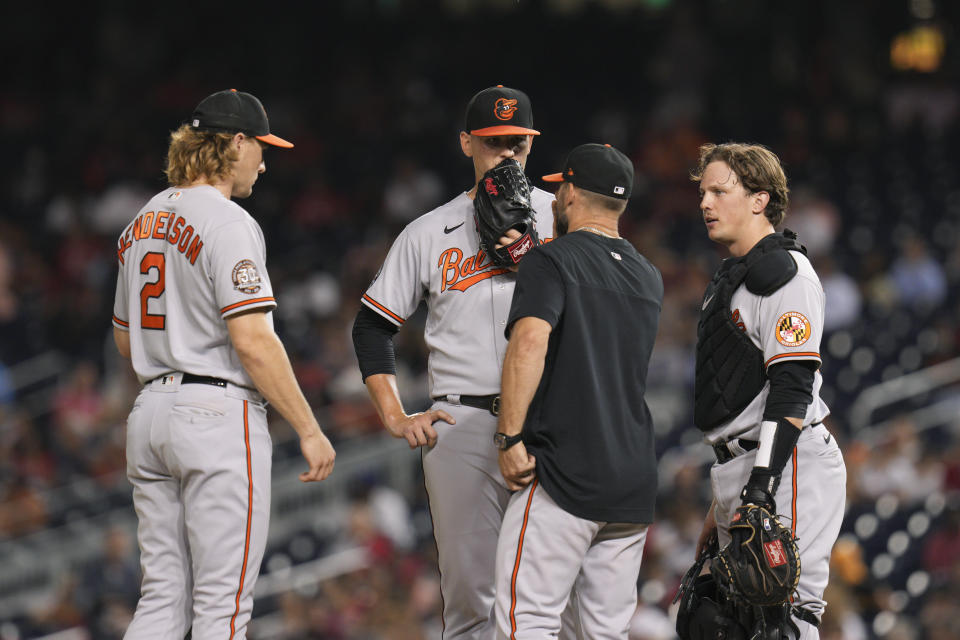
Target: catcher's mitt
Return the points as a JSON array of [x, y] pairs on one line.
[[761, 565], [503, 203]]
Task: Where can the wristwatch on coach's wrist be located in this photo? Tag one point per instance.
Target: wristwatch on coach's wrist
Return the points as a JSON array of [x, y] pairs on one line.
[[504, 442]]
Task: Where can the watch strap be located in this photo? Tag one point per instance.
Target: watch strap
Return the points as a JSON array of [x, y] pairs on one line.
[[504, 441]]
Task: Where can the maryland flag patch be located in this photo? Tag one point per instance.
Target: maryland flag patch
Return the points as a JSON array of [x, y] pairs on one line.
[[793, 329]]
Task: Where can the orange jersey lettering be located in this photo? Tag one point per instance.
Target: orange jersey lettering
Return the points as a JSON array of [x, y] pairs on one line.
[[161, 225], [737, 321], [158, 227], [146, 225], [448, 264], [459, 274], [174, 233]]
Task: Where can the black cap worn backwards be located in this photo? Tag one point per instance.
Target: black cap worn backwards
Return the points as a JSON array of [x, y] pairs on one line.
[[500, 111], [598, 168], [232, 111]]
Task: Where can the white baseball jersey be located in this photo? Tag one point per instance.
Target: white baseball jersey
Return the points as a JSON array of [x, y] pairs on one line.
[[786, 325], [189, 259], [437, 258]]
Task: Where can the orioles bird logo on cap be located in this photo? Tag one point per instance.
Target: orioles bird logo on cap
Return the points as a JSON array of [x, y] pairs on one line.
[[504, 108]]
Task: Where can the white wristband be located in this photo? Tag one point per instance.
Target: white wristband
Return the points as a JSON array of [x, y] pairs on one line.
[[768, 432]]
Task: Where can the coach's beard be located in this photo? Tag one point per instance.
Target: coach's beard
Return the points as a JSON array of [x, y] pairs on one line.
[[561, 224]]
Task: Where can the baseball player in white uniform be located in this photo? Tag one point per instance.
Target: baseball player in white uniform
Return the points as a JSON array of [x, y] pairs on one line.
[[758, 380], [193, 313], [437, 258]]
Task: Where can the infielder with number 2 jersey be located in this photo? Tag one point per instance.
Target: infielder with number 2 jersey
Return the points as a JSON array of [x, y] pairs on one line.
[[193, 313], [437, 258], [757, 377]]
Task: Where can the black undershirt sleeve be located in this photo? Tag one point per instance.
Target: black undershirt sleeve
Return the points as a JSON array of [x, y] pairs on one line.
[[791, 389], [373, 343]]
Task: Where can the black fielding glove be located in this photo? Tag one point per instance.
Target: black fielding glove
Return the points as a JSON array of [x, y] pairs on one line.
[[503, 203], [761, 489]]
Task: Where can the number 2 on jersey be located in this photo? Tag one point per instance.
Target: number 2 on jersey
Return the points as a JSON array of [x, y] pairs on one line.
[[152, 290]]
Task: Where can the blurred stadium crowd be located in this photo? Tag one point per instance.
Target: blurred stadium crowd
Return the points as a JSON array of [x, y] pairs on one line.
[[372, 94]]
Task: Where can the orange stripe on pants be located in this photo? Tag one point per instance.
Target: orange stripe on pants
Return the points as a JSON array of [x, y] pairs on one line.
[[516, 564], [793, 501], [246, 540]]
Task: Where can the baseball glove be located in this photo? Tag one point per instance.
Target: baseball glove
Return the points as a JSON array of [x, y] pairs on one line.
[[503, 203], [761, 565]]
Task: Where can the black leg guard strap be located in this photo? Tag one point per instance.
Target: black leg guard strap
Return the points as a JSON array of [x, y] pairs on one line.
[[806, 616], [772, 623]]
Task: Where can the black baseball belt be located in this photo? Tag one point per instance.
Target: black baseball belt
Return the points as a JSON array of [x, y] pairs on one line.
[[491, 402], [189, 378], [724, 454]]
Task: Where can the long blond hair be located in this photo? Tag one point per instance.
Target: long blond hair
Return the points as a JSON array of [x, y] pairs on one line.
[[194, 155]]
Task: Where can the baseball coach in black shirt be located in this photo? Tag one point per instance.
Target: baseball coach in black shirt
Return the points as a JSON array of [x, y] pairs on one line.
[[575, 434]]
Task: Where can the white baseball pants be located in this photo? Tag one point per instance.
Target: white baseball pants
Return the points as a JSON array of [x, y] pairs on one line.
[[199, 459], [811, 499], [545, 553]]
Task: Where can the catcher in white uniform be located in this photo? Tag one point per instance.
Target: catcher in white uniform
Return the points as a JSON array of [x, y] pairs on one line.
[[757, 379], [438, 258], [193, 313]]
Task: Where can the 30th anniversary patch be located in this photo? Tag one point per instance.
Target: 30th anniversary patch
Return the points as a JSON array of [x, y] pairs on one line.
[[246, 278]]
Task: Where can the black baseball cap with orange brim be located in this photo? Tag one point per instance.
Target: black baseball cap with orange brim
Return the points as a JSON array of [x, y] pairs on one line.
[[500, 111], [598, 168], [232, 111]]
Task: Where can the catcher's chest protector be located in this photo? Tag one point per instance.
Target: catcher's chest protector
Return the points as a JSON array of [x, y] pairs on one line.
[[730, 371]]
